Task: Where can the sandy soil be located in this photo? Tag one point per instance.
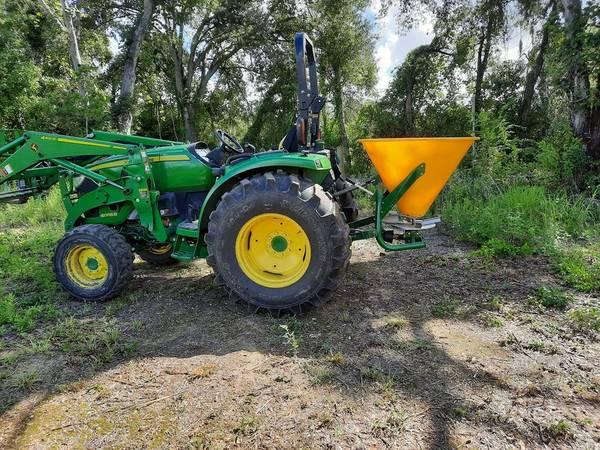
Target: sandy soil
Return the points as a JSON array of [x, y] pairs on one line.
[[422, 349]]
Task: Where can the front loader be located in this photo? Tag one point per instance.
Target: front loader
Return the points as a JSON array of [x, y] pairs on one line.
[[276, 226]]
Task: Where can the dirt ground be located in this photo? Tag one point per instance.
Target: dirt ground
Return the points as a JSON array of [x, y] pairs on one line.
[[423, 349]]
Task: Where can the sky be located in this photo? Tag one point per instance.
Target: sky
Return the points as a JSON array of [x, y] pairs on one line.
[[393, 44]]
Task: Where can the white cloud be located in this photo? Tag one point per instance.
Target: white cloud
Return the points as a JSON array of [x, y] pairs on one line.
[[392, 46]]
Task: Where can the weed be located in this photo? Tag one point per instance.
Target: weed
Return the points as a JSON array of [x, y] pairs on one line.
[[560, 429], [320, 374], [42, 345], [580, 267], [493, 321], [550, 297], [26, 380], [585, 319], [336, 358], [496, 303], [9, 359], [459, 412], [292, 341], [395, 321], [537, 346], [137, 325], [393, 424], [204, 371], [515, 220], [247, 426]]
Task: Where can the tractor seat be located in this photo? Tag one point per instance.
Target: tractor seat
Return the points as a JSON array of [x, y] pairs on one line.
[[212, 158]]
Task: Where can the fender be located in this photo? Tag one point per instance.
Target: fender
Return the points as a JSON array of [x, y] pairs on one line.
[[315, 166]]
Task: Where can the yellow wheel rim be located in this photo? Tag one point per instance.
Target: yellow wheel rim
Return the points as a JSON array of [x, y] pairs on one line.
[[160, 249], [273, 250], [86, 266]]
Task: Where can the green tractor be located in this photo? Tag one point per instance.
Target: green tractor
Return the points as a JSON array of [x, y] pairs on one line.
[[275, 226]]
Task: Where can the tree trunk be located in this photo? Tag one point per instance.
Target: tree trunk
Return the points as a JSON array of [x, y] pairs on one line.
[[409, 115], [340, 115], [126, 100], [535, 71], [189, 115], [483, 53], [579, 82]]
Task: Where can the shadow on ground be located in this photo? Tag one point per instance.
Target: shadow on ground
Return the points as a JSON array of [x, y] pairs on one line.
[[399, 357]]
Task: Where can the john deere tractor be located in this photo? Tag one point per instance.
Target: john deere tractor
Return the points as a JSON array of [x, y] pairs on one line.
[[276, 226]]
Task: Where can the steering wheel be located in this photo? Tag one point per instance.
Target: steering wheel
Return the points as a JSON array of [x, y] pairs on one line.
[[228, 142]]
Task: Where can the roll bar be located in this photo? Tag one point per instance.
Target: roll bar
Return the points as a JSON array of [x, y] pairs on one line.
[[310, 103]]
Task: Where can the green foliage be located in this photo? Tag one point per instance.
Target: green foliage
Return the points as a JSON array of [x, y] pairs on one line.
[[519, 220], [37, 211], [550, 297], [586, 319], [561, 161], [579, 266]]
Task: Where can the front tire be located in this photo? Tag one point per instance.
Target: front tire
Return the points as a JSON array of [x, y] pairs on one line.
[[93, 262], [278, 242]]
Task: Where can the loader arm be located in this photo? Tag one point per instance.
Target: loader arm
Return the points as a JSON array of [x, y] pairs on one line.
[[34, 162]]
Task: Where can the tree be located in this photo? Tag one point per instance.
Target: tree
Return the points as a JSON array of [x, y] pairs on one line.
[[125, 101], [222, 30], [346, 42]]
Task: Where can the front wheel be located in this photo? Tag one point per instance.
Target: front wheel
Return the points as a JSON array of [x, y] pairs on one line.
[[93, 262], [279, 242]]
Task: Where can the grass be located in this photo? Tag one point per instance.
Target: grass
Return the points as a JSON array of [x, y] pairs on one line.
[[517, 220], [26, 380], [37, 211], [579, 266], [585, 319], [100, 340]]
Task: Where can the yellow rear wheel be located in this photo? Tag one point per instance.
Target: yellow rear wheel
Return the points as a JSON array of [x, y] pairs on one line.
[[273, 250], [278, 241]]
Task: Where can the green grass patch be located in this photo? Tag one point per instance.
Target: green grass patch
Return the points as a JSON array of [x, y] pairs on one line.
[[38, 210], [579, 266], [550, 297], [516, 221], [585, 319], [99, 340]]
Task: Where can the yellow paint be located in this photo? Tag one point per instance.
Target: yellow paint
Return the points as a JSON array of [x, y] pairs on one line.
[[160, 249], [91, 144], [123, 162], [395, 158], [273, 250], [86, 266]]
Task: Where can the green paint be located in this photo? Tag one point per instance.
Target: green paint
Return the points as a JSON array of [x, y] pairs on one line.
[[279, 244], [92, 264]]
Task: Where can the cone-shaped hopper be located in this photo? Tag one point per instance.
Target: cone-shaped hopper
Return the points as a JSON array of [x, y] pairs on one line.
[[395, 158]]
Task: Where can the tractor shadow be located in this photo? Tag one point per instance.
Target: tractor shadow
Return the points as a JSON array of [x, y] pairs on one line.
[[184, 315]]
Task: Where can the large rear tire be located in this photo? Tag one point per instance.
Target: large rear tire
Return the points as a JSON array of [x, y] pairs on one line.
[[93, 262], [278, 242]]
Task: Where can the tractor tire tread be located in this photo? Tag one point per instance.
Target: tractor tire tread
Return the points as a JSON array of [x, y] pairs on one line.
[[320, 201]]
